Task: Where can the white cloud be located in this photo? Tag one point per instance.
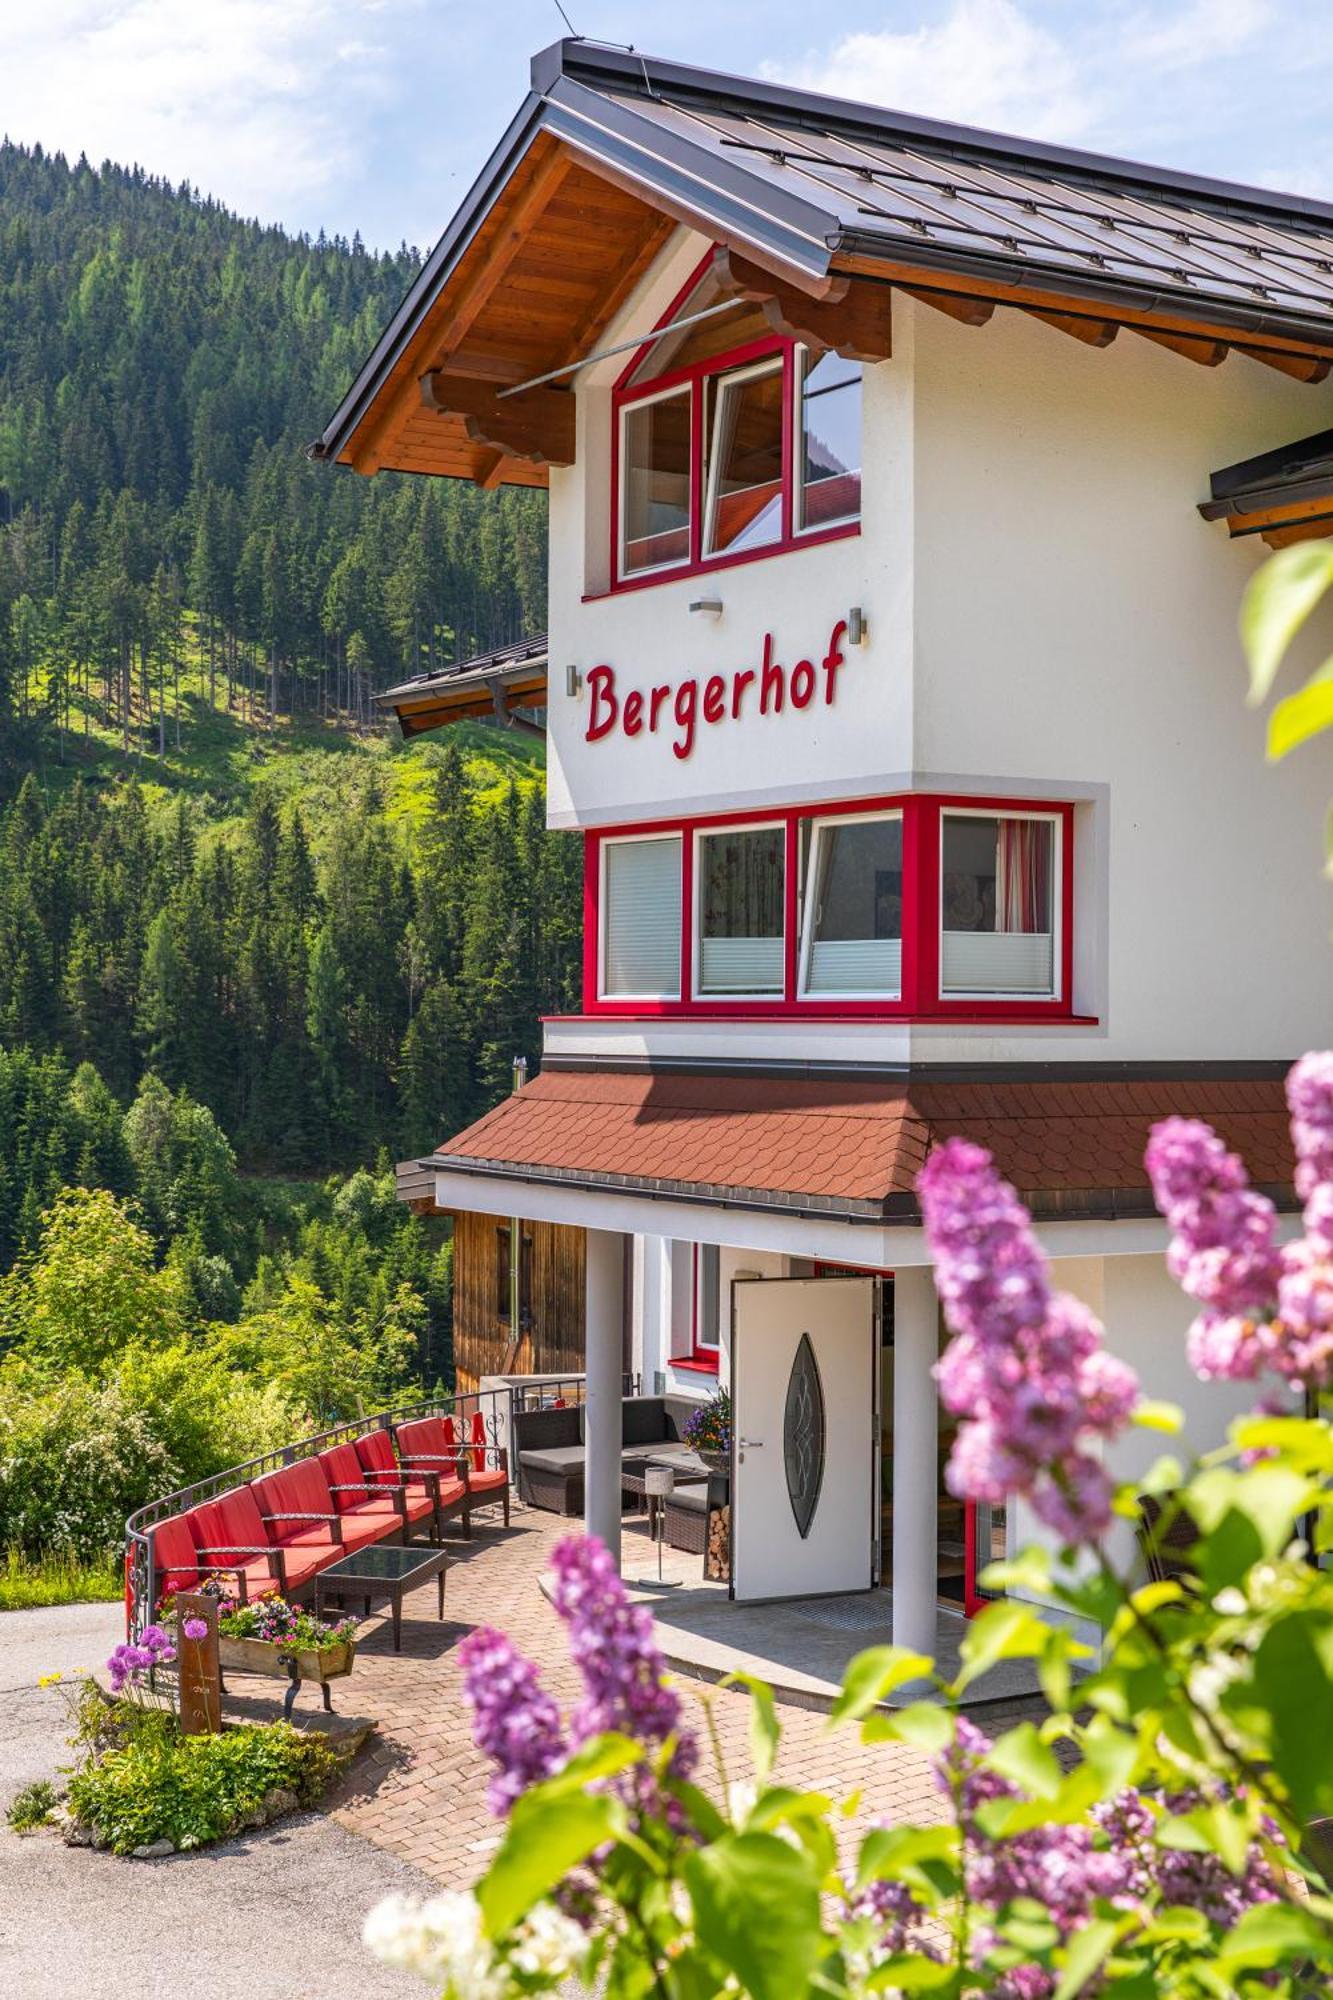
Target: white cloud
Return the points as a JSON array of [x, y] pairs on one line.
[[1081, 75], [260, 104], [986, 63]]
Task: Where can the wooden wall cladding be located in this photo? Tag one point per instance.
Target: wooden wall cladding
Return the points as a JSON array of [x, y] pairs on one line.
[[551, 1339]]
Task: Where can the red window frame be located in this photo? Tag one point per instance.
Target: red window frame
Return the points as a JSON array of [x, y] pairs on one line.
[[627, 392], [701, 1359], [920, 998]]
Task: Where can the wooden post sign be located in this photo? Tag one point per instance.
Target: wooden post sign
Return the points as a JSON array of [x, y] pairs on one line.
[[197, 1663]]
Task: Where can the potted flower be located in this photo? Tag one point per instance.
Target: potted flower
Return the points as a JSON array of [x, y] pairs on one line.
[[270, 1636], [708, 1431]]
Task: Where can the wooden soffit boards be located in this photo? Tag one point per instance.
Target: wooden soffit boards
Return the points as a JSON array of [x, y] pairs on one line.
[[434, 707], [551, 263], [972, 300]]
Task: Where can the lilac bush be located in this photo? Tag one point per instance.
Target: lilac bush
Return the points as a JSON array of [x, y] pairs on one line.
[[1026, 1370], [1149, 1834]]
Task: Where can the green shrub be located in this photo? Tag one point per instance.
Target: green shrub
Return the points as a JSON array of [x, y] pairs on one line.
[[33, 1806], [160, 1785], [55, 1578], [74, 1461]]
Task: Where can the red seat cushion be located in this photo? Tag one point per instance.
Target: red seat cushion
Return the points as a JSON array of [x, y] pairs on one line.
[[174, 1559], [493, 1480], [451, 1492], [227, 1532], [300, 1492], [376, 1453], [426, 1445]]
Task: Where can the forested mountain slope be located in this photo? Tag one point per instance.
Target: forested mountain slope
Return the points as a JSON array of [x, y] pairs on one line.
[[165, 545]]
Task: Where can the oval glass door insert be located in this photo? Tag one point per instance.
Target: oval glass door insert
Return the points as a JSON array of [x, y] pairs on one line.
[[803, 1436]]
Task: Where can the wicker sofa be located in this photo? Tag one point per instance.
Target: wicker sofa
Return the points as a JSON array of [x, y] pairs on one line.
[[549, 1450]]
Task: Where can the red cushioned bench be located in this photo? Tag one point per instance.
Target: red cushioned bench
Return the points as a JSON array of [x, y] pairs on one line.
[[280, 1531]]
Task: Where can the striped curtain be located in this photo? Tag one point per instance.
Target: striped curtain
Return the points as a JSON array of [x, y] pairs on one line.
[[1023, 876]]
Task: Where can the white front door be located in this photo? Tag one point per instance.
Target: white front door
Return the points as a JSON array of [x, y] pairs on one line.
[[805, 1436]]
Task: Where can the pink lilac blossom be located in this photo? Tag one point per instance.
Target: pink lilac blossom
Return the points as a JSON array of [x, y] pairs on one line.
[[514, 1720], [1264, 1306], [1026, 1369], [611, 1642]]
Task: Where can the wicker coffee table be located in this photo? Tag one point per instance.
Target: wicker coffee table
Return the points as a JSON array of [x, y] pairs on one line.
[[380, 1572]]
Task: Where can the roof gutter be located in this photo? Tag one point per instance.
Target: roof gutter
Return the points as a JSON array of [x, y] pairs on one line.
[[1111, 295]]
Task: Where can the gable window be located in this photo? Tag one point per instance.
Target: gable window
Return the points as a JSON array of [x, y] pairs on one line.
[[741, 889], [641, 918], [731, 441], [828, 490], [655, 482], [854, 908], [743, 505], [998, 896]]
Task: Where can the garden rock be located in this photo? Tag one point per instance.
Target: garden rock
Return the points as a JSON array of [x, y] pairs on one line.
[[279, 1801], [75, 1834], [153, 1850]]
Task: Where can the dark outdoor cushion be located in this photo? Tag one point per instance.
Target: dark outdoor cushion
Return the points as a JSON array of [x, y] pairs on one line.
[[545, 1430], [679, 1410], [560, 1458], [643, 1420]]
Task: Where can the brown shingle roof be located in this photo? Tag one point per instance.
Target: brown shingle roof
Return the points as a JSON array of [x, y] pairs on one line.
[[854, 1147]]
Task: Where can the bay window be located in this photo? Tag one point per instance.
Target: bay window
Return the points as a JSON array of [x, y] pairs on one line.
[[723, 455], [854, 908], [741, 890], [997, 902], [914, 906], [641, 918]]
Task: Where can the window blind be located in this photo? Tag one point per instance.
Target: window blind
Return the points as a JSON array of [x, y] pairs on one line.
[[740, 965], [641, 918], [997, 962], [856, 965]]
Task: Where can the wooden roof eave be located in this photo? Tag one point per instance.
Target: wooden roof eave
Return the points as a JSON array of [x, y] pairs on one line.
[[1096, 315]]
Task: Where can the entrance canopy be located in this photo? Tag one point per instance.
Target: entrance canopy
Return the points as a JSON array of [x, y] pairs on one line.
[[1070, 1137]]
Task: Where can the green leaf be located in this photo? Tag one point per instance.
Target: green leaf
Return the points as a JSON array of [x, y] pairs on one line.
[[547, 1836], [756, 1910], [605, 1757], [1277, 602], [1004, 1631], [921, 1723], [1293, 1678], [1302, 715], [909, 1972], [1154, 1416], [765, 1730], [1029, 1570], [1088, 1950], [891, 1852], [1021, 1755], [875, 1673], [1271, 1932]]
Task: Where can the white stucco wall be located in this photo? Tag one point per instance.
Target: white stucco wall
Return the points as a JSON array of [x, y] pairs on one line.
[[1076, 621], [650, 637], [1048, 616]]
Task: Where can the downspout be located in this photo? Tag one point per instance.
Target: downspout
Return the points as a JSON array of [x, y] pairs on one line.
[[516, 1235]]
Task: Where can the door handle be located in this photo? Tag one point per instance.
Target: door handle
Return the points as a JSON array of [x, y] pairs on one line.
[[751, 1444]]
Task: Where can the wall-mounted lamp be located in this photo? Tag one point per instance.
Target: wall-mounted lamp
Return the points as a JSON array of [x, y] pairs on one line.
[[573, 682], [857, 629], [711, 607]]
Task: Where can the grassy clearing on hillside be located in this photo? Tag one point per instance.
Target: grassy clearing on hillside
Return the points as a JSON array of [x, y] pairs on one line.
[[224, 754], [27, 1584]]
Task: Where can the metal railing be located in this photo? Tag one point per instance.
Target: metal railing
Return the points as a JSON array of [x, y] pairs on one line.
[[140, 1570]]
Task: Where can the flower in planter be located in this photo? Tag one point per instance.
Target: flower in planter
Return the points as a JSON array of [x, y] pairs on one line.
[[709, 1427]]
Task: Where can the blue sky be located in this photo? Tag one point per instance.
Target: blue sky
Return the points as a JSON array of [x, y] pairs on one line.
[[375, 114]]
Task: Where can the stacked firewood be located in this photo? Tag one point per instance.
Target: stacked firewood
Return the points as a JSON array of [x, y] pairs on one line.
[[717, 1563]]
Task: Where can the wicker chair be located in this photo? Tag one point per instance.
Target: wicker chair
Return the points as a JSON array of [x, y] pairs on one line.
[[1166, 1537]]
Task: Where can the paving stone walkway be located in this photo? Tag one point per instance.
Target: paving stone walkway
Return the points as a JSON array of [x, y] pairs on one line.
[[420, 1790]]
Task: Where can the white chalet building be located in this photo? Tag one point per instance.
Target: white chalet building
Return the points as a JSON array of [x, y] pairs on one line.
[[904, 482]]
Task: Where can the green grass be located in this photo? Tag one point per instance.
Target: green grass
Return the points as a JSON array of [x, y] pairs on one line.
[[26, 1584], [223, 755]]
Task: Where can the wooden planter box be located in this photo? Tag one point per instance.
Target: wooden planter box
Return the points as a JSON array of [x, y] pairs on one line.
[[289, 1663]]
